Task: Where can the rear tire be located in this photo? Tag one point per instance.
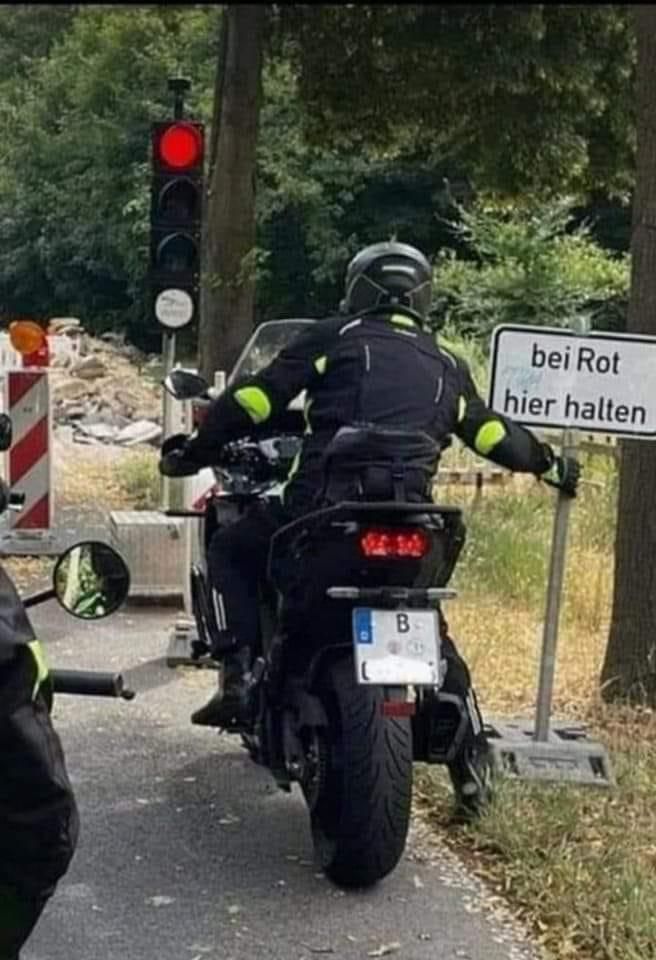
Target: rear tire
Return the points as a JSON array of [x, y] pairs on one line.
[[360, 806]]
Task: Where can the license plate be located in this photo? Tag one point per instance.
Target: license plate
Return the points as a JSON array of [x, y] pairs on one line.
[[396, 647]]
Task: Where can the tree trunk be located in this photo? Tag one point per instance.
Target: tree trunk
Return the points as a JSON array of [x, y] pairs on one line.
[[629, 670], [229, 276]]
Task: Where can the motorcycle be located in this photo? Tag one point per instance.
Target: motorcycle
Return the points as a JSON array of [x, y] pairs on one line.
[[344, 691], [90, 581]]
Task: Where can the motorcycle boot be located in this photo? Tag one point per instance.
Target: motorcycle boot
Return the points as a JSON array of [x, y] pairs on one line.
[[228, 708]]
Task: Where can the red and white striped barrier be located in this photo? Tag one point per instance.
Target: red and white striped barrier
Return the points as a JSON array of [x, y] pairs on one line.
[[27, 401]]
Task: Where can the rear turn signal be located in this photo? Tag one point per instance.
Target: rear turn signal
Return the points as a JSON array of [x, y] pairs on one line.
[[404, 542]]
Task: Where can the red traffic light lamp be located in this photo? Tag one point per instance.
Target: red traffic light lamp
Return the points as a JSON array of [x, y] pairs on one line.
[[178, 146]]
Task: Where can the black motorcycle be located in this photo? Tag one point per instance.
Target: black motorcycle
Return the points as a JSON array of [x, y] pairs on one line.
[[345, 688]]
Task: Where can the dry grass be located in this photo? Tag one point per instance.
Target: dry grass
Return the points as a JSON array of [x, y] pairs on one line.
[[578, 864], [97, 475]]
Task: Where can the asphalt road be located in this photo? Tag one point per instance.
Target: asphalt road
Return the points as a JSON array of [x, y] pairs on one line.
[[188, 851]]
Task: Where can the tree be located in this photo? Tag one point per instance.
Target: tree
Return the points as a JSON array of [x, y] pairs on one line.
[[629, 669], [27, 34], [528, 265], [231, 255], [523, 97], [75, 179]]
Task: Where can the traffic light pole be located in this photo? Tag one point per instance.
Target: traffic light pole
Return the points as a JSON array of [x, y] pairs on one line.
[[178, 87]]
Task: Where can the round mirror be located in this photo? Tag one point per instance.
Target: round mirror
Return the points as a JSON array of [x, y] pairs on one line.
[[185, 384], [91, 580]]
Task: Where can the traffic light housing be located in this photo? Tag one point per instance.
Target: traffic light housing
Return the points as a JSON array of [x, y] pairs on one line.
[[176, 212]]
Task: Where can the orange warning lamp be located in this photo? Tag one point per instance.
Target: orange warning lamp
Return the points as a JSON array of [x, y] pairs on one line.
[[30, 340]]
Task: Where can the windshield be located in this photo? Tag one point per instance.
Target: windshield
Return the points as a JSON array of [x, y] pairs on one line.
[[267, 341]]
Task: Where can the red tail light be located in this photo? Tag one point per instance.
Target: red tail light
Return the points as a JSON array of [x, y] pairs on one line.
[[405, 542]]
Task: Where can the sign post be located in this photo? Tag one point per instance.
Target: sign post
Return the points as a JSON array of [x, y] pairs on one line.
[[552, 613], [570, 380]]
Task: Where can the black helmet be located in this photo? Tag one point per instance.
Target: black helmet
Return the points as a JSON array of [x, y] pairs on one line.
[[388, 274]]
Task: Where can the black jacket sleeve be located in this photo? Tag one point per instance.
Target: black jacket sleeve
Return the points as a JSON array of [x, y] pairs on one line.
[[255, 400], [496, 437]]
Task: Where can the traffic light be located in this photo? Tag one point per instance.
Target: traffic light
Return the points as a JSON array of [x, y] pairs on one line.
[[178, 150]]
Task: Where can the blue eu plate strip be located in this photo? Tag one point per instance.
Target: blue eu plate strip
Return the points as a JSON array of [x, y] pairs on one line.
[[363, 626]]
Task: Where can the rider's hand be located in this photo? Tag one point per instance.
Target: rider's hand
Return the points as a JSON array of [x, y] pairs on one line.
[[177, 441], [177, 464], [563, 474], [175, 460]]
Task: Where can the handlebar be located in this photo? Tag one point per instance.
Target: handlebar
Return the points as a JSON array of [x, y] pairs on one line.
[[90, 683], [9, 500]]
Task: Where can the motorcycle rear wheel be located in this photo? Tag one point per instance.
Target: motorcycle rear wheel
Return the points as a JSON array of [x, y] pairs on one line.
[[361, 794]]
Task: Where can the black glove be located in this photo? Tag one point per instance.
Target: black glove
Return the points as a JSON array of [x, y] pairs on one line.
[[563, 474], [177, 441], [175, 459]]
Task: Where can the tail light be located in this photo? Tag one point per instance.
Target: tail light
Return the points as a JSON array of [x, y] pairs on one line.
[[404, 542]]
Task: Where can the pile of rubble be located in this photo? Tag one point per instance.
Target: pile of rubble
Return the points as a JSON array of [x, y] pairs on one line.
[[103, 390]]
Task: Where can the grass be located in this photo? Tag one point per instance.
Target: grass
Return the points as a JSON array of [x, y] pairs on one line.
[[578, 864], [138, 479]]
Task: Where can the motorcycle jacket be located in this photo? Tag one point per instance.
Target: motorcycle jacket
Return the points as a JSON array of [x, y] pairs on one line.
[[375, 369], [38, 814], [22, 665]]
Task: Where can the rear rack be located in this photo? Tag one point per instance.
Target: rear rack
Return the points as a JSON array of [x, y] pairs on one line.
[[410, 595]]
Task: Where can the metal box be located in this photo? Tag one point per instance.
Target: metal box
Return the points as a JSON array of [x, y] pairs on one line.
[[153, 547]]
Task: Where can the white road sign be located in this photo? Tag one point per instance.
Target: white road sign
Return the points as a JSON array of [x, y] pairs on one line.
[[174, 308], [598, 383]]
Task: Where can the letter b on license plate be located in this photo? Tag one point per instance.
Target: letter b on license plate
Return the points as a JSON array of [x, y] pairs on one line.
[[396, 647]]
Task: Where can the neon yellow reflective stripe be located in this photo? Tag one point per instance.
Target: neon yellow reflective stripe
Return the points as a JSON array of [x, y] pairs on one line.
[[320, 364], [292, 470], [462, 409], [489, 435], [255, 402], [41, 665], [402, 321]]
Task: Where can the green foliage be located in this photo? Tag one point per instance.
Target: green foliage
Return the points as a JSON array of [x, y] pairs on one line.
[[27, 34], [318, 204], [524, 97], [528, 267], [74, 190], [76, 114]]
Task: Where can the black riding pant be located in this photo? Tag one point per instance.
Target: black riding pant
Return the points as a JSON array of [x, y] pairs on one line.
[[38, 820], [238, 556]]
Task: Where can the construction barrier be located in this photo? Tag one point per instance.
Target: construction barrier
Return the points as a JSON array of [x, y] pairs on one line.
[[25, 396], [27, 400]]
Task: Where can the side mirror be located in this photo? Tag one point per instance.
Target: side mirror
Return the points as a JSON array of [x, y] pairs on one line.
[[91, 580], [184, 384], [6, 432]]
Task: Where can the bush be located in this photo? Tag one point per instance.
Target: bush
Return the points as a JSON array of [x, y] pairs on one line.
[[528, 267]]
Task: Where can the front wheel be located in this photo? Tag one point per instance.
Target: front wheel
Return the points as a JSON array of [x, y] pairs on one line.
[[361, 790]]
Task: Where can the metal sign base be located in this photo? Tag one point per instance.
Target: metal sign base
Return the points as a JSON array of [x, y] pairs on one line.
[[567, 756]]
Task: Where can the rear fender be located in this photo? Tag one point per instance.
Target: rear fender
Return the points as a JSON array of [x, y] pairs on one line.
[[311, 712], [323, 661]]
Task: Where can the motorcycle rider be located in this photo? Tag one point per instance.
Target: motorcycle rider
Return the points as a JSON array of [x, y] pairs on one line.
[[372, 363], [38, 813]]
